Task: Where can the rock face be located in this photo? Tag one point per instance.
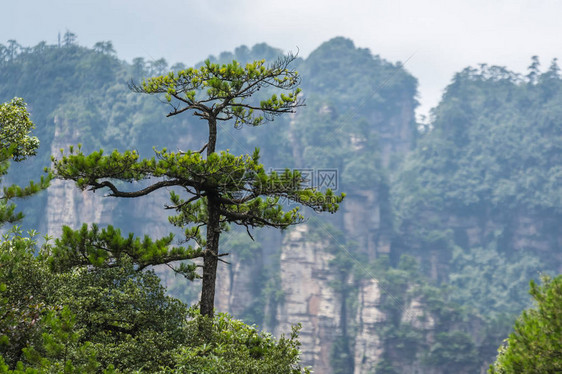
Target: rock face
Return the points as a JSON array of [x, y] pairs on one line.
[[66, 204], [368, 345], [74, 207], [235, 283], [308, 298], [520, 231], [364, 220]]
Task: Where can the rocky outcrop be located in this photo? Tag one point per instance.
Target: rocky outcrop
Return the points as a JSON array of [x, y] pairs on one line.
[[235, 283], [512, 231], [66, 204], [396, 133], [308, 298], [363, 221], [369, 319]]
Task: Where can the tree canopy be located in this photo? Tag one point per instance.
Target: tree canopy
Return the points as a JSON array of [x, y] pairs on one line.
[[116, 320], [535, 345], [16, 143]]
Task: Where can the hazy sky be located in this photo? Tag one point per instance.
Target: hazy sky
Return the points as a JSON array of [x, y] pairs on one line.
[[441, 37]]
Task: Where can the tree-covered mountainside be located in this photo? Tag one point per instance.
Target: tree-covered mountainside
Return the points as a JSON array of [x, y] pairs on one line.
[[482, 189], [495, 143], [427, 265]]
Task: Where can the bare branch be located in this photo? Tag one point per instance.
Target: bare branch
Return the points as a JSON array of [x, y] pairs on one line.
[[202, 149], [145, 191], [249, 234]]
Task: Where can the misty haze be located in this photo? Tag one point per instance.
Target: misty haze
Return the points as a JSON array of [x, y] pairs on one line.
[[265, 207]]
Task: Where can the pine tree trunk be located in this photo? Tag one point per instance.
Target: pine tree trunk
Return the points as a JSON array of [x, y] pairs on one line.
[[211, 258]]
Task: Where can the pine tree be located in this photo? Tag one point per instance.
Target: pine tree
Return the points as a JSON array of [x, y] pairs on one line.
[[535, 345], [221, 188]]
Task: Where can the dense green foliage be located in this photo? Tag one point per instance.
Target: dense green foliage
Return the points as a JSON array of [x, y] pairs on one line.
[[118, 318], [16, 144], [482, 188], [235, 347], [536, 342], [114, 317], [15, 128], [344, 131], [441, 337], [501, 148], [476, 202]]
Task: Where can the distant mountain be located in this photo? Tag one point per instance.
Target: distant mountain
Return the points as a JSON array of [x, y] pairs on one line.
[[427, 263]]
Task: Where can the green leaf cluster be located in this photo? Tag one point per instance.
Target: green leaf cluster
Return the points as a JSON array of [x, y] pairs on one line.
[[16, 144], [536, 342], [15, 127], [247, 194], [226, 88], [107, 248], [234, 347]]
